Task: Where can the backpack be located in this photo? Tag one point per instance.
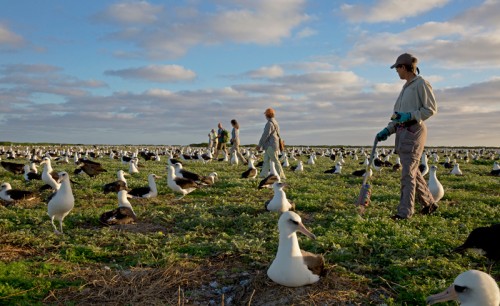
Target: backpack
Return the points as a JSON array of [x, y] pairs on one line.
[[225, 136]]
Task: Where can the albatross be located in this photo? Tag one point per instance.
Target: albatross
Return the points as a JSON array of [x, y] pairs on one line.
[[180, 185], [61, 203], [10, 195], [471, 288], [279, 202], [124, 214], [149, 191], [292, 266]]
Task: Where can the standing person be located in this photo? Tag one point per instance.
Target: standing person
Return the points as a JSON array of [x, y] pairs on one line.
[[269, 141], [221, 145], [212, 136], [416, 103], [235, 140]]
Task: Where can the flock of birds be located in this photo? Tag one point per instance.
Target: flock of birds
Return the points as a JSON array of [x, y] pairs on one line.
[[292, 266]]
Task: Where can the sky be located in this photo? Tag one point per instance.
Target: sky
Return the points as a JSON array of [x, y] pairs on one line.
[[166, 72]]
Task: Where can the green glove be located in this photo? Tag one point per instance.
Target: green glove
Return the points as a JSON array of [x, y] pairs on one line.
[[401, 117], [382, 135]]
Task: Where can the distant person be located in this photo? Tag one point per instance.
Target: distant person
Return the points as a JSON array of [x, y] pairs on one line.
[[269, 142], [212, 140], [235, 140], [221, 141], [415, 103]]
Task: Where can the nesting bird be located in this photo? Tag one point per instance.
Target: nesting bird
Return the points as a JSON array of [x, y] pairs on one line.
[[279, 201], [337, 169], [13, 167], [456, 170], [210, 179], [470, 288], [251, 172], [149, 191], [91, 168], [61, 203], [180, 185], [269, 180], [116, 186], [293, 267], [299, 167], [124, 214], [29, 175], [435, 187], [10, 195], [485, 239]]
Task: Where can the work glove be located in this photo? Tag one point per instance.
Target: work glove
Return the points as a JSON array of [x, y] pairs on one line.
[[382, 135], [401, 117]]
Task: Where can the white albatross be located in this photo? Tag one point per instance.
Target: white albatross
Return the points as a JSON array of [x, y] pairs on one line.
[[61, 203], [279, 202], [471, 288], [292, 266], [435, 187], [180, 185]]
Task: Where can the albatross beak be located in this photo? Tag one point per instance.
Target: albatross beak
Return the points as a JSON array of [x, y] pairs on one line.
[[305, 231], [447, 295]]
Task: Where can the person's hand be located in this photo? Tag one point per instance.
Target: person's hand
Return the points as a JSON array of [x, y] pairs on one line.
[[401, 117], [382, 135]]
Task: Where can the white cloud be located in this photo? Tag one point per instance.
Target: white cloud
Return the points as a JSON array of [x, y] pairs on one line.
[[389, 10], [156, 73], [266, 72], [131, 13], [9, 39], [165, 34]]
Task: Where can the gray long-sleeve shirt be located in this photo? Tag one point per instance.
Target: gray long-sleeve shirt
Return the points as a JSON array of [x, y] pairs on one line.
[[269, 136], [415, 98]]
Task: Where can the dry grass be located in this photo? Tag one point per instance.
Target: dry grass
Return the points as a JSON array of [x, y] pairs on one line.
[[215, 281]]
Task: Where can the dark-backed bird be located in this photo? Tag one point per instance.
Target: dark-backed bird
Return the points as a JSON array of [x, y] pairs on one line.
[[279, 201], [61, 203], [149, 191], [180, 172], [120, 184], [180, 185], [13, 167], [210, 179], [293, 267], [30, 175], [337, 169], [485, 239], [470, 288], [251, 172], [124, 214], [10, 195], [91, 168], [298, 168], [269, 180]]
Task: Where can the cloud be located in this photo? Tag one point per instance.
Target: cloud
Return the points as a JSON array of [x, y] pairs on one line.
[[306, 32], [155, 73], [10, 40], [447, 43], [131, 13], [167, 34], [266, 72], [389, 10]]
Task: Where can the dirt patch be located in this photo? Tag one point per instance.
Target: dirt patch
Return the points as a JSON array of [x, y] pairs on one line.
[[222, 281], [10, 253]]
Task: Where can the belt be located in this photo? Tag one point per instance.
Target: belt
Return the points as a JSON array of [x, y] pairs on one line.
[[407, 124]]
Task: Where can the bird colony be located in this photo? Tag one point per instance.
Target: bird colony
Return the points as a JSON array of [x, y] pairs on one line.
[[119, 188]]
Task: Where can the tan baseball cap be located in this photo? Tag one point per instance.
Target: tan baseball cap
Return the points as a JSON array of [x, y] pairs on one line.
[[405, 59]]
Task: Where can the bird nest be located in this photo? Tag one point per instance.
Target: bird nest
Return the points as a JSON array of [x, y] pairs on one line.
[[220, 281]]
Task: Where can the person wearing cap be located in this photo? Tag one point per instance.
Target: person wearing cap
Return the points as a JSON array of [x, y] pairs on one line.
[[415, 104], [269, 142]]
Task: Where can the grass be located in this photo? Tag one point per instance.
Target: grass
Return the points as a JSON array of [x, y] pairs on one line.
[[216, 244]]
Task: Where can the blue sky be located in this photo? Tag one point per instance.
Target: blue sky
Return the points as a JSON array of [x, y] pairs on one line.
[[166, 72]]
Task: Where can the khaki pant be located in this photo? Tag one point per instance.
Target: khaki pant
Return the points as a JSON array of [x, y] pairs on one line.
[[410, 145], [271, 155]]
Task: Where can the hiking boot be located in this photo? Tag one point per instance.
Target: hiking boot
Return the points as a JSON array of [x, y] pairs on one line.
[[427, 210]]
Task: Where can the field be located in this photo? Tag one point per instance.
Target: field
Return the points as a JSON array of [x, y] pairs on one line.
[[214, 246]]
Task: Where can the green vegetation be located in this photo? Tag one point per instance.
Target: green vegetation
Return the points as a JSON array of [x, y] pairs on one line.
[[218, 241]]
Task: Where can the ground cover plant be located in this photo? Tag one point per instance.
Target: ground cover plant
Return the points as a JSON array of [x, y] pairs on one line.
[[214, 246]]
